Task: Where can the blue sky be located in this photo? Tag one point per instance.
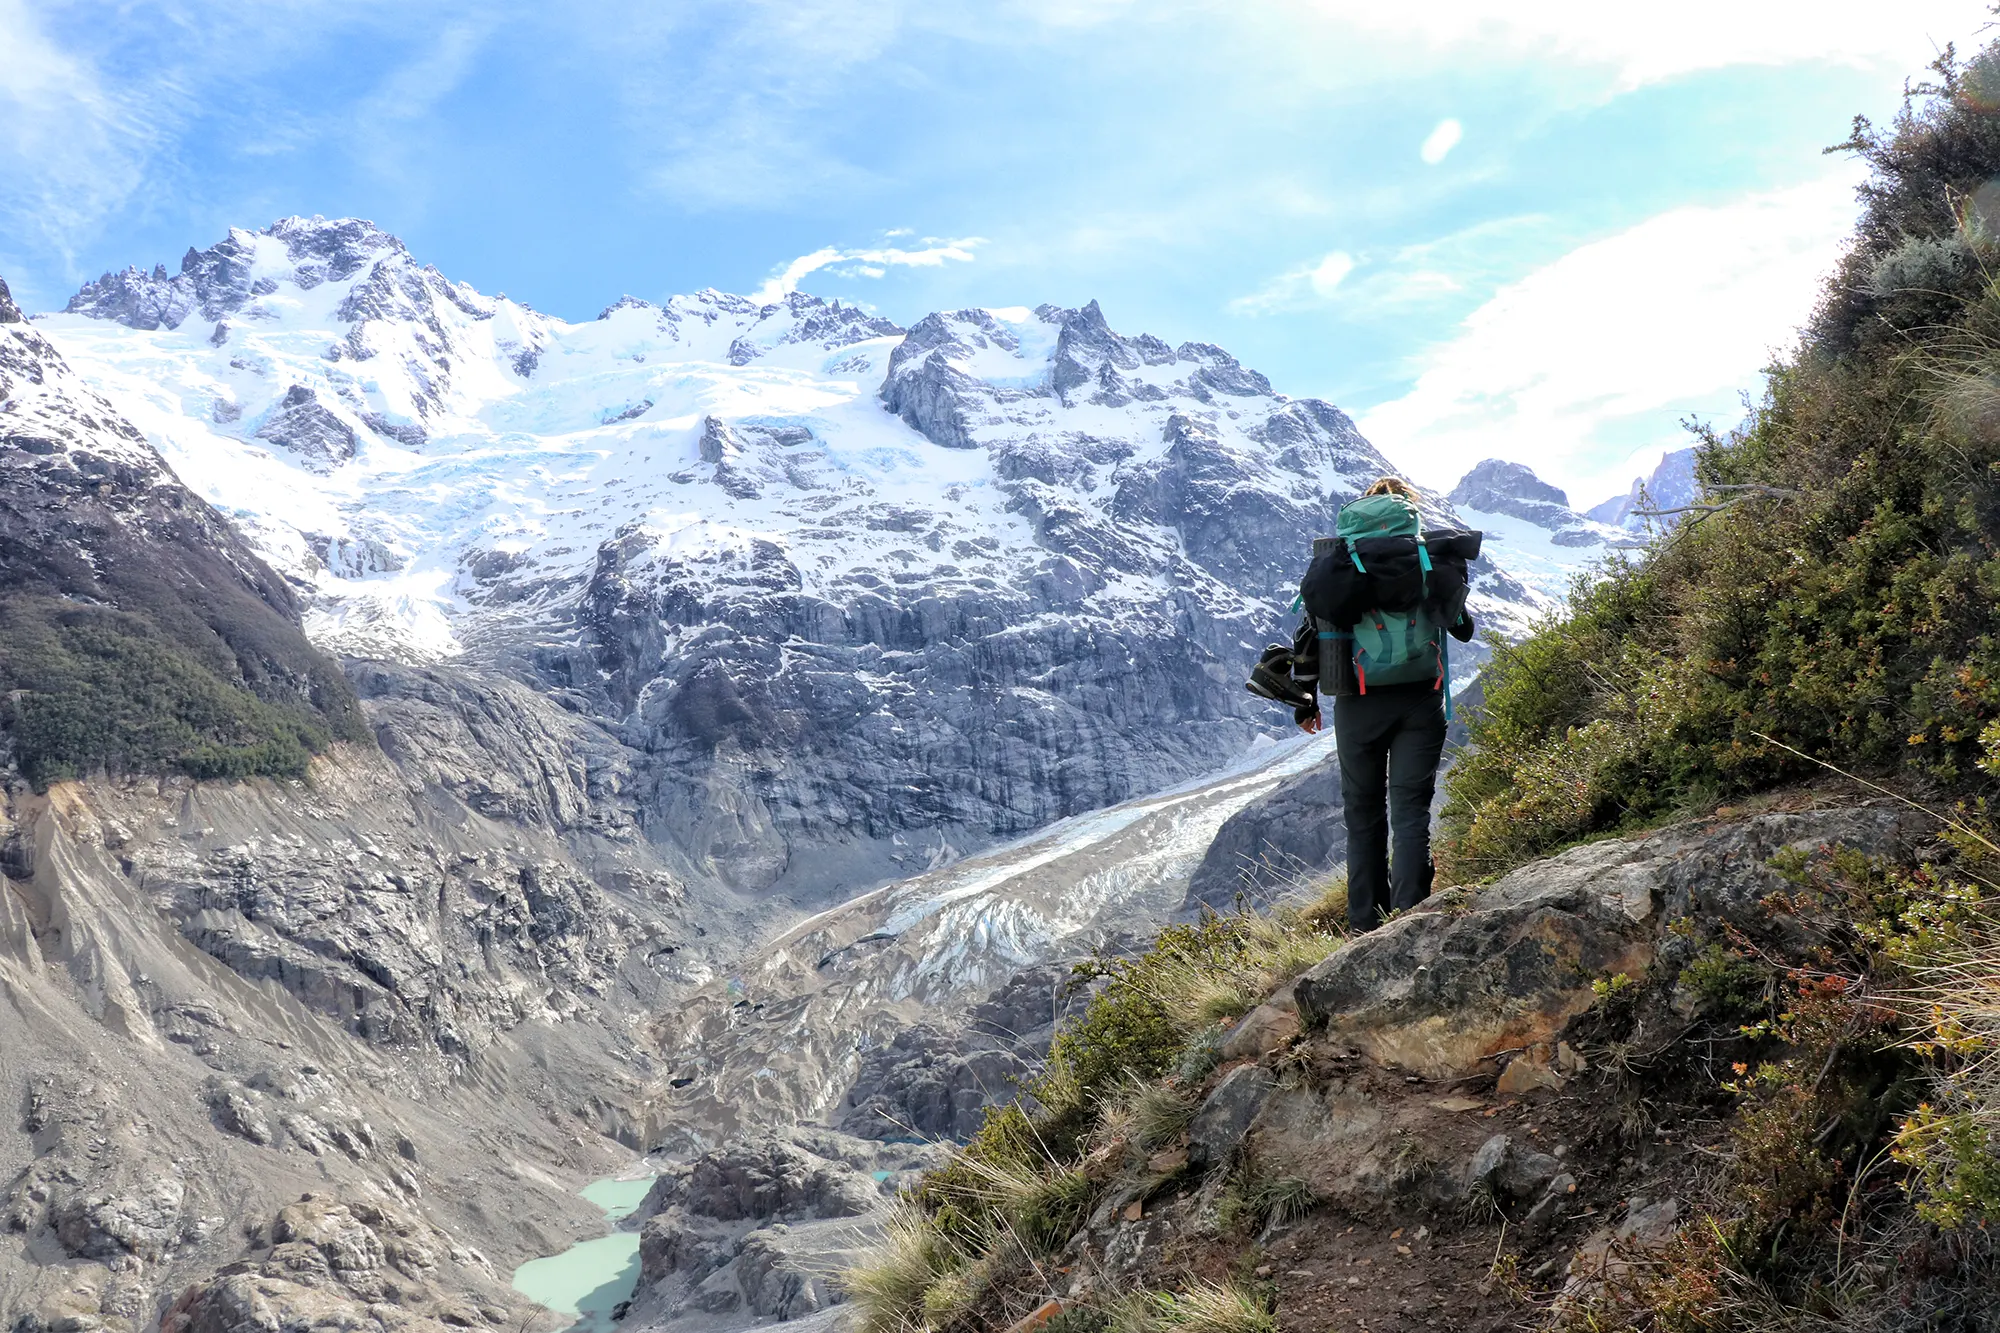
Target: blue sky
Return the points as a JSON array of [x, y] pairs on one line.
[[1485, 227]]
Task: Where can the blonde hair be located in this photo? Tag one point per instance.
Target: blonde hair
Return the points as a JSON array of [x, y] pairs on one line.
[[1394, 486]]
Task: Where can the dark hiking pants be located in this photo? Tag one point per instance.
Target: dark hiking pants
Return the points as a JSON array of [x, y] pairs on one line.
[[1389, 743]]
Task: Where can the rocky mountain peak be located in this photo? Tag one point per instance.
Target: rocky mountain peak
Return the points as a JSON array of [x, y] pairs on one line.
[[343, 243], [236, 270], [790, 593], [798, 318], [626, 302], [830, 324], [9, 312], [1671, 485], [1495, 482], [1497, 487]]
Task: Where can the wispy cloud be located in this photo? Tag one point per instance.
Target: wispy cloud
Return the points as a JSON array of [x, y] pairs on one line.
[[391, 129], [868, 263], [99, 104], [71, 149], [415, 88], [1597, 355], [1454, 272], [1317, 281], [1641, 44], [739, 100]]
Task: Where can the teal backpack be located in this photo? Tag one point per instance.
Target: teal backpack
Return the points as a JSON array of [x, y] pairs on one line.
[[1392, 647]]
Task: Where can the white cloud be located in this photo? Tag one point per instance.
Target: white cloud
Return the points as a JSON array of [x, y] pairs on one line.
[[1329, 273], [1647, 43], [1441, 141], [1594, 358], [866, 263], [70, 151], [1297, 287]]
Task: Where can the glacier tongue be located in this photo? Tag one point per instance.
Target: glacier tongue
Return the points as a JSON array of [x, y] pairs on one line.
[[798, 1033], [846, 585]]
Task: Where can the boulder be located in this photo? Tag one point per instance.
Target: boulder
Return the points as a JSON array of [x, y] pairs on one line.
[[1225, 1117], [1259, 1032], [1610, 1254], [1511, 1172], [1527, 1072], [236, 1112]]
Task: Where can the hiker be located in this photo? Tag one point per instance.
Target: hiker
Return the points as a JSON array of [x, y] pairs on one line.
[[1380, 598]]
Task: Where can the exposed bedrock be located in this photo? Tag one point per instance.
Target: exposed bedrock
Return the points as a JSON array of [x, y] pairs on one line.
[[1284, 841], [758, 1227], [404, 985], [1362, 1079]]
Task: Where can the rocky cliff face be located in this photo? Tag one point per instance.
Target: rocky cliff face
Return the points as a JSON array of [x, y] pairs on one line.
[[860, 597]]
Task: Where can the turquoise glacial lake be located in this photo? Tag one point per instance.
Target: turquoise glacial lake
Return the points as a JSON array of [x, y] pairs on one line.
[[590, 1278]]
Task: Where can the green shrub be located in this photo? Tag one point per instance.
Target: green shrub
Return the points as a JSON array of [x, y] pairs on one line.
[[1150, 1115], [1727, 983], [1255, 1197], [1151, 1008], [1325, 908], [1954, 1161], [1840, 596], [1946, 937], [891, 1287]]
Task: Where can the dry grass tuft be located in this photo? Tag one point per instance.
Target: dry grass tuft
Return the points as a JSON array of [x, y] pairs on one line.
[[1205, 1307]]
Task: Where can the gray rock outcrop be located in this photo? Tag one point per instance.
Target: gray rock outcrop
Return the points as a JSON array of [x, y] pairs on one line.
[[1382, 1102], [299, 423], [759, 1226], [1439, 990]]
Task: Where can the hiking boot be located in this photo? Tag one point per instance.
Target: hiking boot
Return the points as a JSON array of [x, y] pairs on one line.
[[1272, 679]]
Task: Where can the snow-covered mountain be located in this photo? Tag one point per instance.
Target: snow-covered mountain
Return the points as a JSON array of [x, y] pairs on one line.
[[1671, 485], [863, 593], [1530, 528]]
